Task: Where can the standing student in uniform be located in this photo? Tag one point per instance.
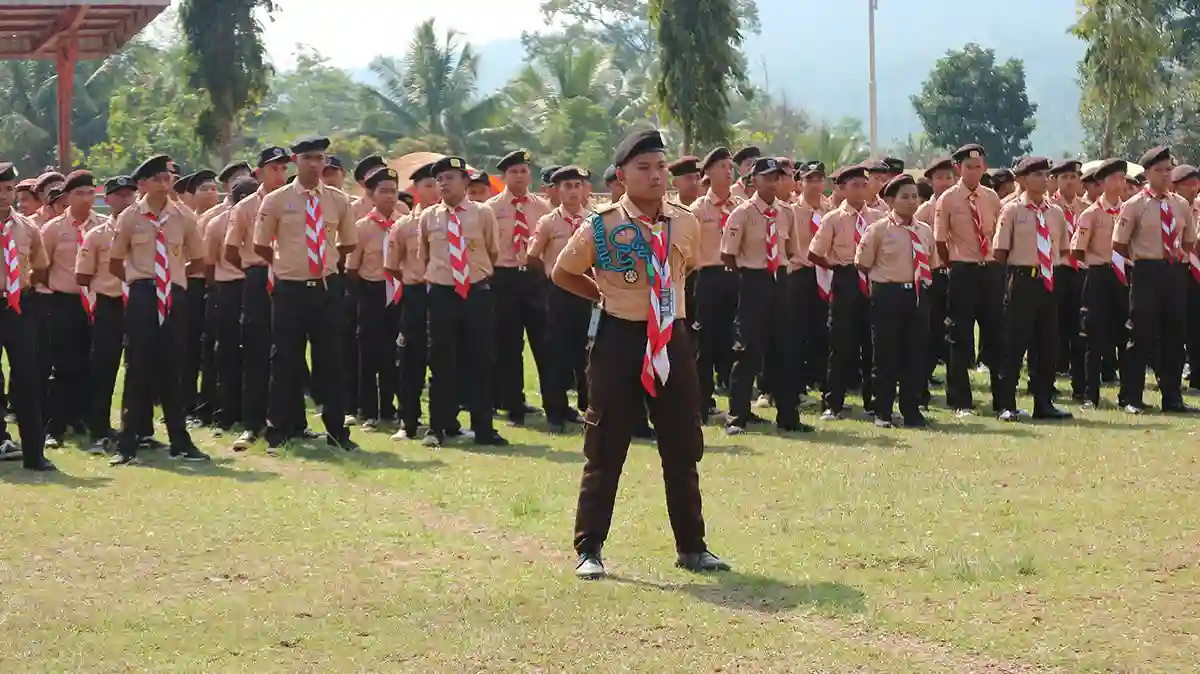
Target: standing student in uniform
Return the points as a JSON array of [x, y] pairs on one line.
[[1031, 235], [549, 189], [271, 172], [45, 183], [940, 176], [685, 178], [616, 189], [964, 223], [833, 247], [896, 255], [377, 326], [480, 189], [1105, 306], [878, 174], [28, 201], [1068, 281], [459, 245], [92, 271], [568, 315], [303, 230], [1157, 232], [1185, 181], [745, 158], [334, 173], [155, 242], [24, 263], [716, 296], [1003, 182], [1092, 188], [70, 310], [755, 243], [808, 289], [519, 292], [203, 195]]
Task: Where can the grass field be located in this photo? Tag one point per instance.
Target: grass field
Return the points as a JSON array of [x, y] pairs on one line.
[[975, 547]]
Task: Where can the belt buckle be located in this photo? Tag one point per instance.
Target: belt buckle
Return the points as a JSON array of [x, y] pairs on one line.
[[908, 286], [311, 283], [522, 267]]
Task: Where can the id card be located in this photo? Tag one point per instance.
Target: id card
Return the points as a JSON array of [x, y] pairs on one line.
[[594, 323], [666, 306]]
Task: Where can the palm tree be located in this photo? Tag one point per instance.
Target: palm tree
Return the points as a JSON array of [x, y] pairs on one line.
[[836, 146], [917, 150]]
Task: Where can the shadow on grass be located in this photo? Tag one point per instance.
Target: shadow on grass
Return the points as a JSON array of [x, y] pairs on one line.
[[1125, 424], [753, 592], [214, 468], [972, 428], [732, 450], [385, 460], [827, 434], [528, 451], [13, 473]]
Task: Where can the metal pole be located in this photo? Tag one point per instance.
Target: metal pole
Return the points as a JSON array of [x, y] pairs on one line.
[[872, 5]]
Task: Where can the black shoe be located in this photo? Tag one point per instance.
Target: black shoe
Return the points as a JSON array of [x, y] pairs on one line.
[[556, 427], [1052, 413], [645, 432], [1179, 407], [42, 465], [122, 459], [310, 434], [700, 562], [189, 453], [572, 416], [918, 421], [755, 419], [589, 566], [344, 443], [492, 440], [1079, 397], [149, 442], [527, 409], [796, 427], [1010, 415], [245, 441], [516, 418]]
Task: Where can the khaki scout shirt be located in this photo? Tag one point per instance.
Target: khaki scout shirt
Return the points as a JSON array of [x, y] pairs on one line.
[[954, 226], [746, 232], [713, 214], [1016, 232], [240, 232], [834, 239], [61, 238], [403, 250], [1094, 233], [367, 258], [214, 248], [804, 228], [93, 258], [535, 209], [926, 213], [1141, 225], [478, 223], [886, 250], [136, 234], [552, 233], [627, 295], [31, 254], [282, 220]]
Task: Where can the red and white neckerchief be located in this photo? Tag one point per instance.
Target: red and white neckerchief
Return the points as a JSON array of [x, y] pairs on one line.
[[1044, 254], [1118, 260], [860, 229], [394, 289], [985, 247], [824, 275], [1069, 213], [162, 266], [86, 296], [314, 231], [722, 207], [1170, 237], [458, 251], [573, 220], [520, 225], [922, 271], [12, 262], [662, 306], [772, 239]]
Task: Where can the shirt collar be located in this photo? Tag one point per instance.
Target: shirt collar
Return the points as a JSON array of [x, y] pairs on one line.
[[171, 208], [762, 204], [1026, 201], [712, 196], [300, 189], [565, 213]]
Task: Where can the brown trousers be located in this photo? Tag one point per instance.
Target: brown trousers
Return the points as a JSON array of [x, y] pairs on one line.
[[614, 376]]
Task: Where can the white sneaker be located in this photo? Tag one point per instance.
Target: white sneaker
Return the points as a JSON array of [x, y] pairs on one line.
[[350, 420], [963, 414], [734, 430], [369, 425], [400, 435], [830, 415], [9, 450], [763, 401], [431, 440]]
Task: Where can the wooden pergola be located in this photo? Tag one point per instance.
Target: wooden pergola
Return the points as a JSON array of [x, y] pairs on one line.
[[67, 32]]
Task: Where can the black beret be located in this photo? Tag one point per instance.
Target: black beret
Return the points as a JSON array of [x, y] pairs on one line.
[[1032, 165], [610, 175], [364, 167], [999, 176], [894, 164], [408, 199], [716, 155], [381, 175], [924, 189], [987, 181], [571, 173], [877, 166], [117, 183], [310, 144], [174, 168], [1184, 172], [848, 173], [242, 188], [273, 154], [478, 176], [893, 186], [55, 193], [1137, 180], [513, 158], [939, 164], [548, 174], [79, 179], [1067, 166], [199, 178], [232, 168], [810, 167], [1109, 167], [746, 153], [1154, 156], [335, 162], [181, 183], [8, 172], [637, 143], [684, 165], [448, 164], [766, 165], [46, 179], [422, 172], [968, 151]]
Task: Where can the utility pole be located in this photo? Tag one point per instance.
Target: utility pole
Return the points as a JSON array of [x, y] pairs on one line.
[[872, 5]]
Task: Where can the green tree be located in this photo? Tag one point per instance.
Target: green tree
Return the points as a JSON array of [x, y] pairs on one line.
[[917, 150], [227, 59], [775, 125], [970, 98], [698, 43], [836, 145]]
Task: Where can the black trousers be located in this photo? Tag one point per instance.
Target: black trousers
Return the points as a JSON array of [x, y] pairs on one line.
[[153, 358], [37, 306], [807, 355], [1030, 325], [566, 351], [229, 297], [1072, 351], [70, 333], [975, 295], [753, 332], [378, 378], [714, 311], [1105, 325], [1193, 330], [849, 340], [256, 349], [349, 344], [299, 308], [934, 298], [413, 352], [617, 395], [455, 321], [771, 379], [520, 306], [193, 348], [17, 334], [1158, 313], [209, 384], [108, 337], [899, 325]]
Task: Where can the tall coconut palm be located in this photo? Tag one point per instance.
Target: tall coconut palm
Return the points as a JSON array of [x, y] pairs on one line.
[[836, 146]]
